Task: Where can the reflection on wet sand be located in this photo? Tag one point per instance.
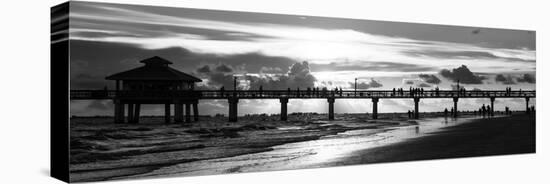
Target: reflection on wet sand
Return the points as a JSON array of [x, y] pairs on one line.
[[326, 151]]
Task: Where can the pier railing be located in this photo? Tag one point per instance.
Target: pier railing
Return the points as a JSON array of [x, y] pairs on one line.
[[276, 94]]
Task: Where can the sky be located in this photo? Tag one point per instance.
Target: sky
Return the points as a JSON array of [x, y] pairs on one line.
[[280, 51]]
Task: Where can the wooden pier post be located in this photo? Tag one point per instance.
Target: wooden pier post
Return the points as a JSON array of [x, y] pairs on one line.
[[130, 113], [196, 110], [374, 108], [188, 112], [167, 113], [330, 108], [233, 109], [455, 113], [178, 112], [416, 113], [137, 109], [527, 110], [118, 110], [284, 102], [492, 106]]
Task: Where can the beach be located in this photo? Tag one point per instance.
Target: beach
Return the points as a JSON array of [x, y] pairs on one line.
[[104, 151], [481, 137]]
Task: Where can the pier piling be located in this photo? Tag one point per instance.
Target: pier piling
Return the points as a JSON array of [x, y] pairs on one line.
[[284, 102], [196, 110], [455, 113], [330, 108], [136, 113], [178, 112], [374, 108], [167, 113], [130, 113], [233, 109], [416, 113], [492, 106], [187, 112]]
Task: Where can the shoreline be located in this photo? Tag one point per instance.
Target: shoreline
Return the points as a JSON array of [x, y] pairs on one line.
[[250, 138], [106, 151], [482, 137]]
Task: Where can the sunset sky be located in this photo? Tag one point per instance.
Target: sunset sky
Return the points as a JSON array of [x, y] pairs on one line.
[[280, 51]]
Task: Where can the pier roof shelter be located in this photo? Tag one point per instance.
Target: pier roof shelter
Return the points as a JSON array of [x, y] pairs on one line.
[[155, 75]]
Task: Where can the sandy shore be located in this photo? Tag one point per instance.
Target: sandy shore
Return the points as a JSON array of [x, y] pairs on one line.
[[104, 151], [481, 137], [101, 150]]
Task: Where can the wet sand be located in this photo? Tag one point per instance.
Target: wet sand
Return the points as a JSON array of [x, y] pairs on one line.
[[101, 150], [481, 137], [216, 147]]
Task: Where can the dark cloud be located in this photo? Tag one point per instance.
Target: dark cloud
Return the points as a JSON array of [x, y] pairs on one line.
[[526, 78], [118, 57], [424, 85], [204, 69], [298, 76], [504, 79], [371, 66], [432, 79], [224, 68], [366, 85], [462, 74]]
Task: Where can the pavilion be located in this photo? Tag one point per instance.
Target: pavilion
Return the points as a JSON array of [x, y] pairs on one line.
[[155, 77]]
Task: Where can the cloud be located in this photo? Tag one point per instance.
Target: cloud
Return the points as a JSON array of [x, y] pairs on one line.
[[526, 78], [298, 76], [462, 74], [366, 85], [468, 54], [409, 82], [224, 68], [476, 31], [505, 79], [371, 66], [204, 69], [432, 79], [424, 85], [271, 70]]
